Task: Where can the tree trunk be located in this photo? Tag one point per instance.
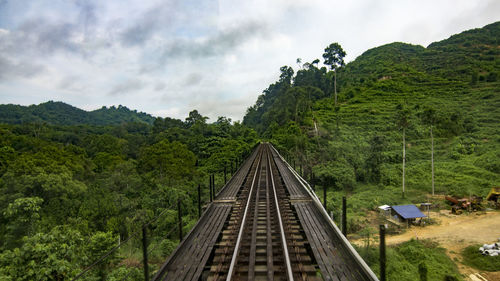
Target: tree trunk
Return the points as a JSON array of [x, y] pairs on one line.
[[404, 160], [432, 161], [335, 85]]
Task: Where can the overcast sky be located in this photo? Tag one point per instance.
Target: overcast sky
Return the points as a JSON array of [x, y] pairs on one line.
[[169, 57]]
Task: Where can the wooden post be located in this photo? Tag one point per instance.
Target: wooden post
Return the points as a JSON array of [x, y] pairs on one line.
[[213, 186], [313, 181], [324, 197], [382, 253], [344, 217], [210, 187], [145, 253], [180, 218], [225, 174], [199, 201]]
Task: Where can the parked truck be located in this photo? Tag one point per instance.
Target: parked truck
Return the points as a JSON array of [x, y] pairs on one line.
[[458, 205]]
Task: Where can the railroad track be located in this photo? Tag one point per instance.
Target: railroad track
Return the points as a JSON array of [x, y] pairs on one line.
[[269, 244], [265, 225]]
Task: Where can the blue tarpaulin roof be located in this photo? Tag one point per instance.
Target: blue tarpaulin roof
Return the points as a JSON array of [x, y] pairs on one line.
[[408, 211]]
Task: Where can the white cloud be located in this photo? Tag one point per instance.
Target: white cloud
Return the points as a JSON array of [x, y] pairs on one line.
[[170, 57]]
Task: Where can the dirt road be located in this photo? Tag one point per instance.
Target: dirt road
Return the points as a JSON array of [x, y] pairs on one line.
[[455, 233]]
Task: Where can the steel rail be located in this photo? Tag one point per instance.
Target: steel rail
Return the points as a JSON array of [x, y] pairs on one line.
[[163, 269], [240, 234], [357, 258], [282, 231]]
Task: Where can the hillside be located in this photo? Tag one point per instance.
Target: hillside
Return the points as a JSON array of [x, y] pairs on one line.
[[59, 113], [355, 148]]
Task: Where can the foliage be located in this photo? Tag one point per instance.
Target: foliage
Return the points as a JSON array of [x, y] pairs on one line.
[[409, 261], [385, 90], [103, 183], [59, 113], [56, 255], [334, 56]]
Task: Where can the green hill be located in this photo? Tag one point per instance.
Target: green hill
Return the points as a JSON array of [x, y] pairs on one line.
[[59, 113], [355, 147]]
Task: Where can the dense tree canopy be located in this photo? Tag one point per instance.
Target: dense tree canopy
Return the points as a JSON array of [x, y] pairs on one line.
[[68, 194]]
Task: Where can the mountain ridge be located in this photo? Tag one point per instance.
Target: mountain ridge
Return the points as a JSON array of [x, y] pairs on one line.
[[60, 113]]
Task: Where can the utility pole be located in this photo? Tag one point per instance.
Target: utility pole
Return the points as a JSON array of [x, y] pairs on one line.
[[404, 160], [432, 160], [382, 253]]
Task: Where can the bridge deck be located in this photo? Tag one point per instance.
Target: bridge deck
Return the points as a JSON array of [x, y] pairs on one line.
[[313, 243], [187, 262], [334, 262]]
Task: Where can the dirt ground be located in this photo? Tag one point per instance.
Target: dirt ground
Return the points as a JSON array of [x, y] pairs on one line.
[[455, 233]]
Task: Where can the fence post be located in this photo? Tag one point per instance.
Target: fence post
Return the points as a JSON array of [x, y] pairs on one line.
[[225, 174], [180, 218], [344, 217], [324, 196], [313, 181], [199, 201], [210, 187], [213, 186], [145, 252], [382, 253]]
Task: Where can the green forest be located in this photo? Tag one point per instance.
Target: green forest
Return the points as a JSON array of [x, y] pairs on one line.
[[74, 184], [354, 147], [70, 193]]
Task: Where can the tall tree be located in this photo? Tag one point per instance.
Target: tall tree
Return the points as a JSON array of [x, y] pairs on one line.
[[195, 117], [429, 118], [403, 122], [334, 57]]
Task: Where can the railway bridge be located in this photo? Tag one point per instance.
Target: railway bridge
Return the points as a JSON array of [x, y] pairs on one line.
[[266, 223]]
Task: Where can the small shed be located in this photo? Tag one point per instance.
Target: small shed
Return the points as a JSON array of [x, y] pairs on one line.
[[407, 213], [385, 210]]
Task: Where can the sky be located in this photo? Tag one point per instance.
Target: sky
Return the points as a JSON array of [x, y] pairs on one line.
[[169, 57]]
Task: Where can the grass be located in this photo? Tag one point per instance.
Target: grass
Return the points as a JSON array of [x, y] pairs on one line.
[[403, 261], [473, 258]]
